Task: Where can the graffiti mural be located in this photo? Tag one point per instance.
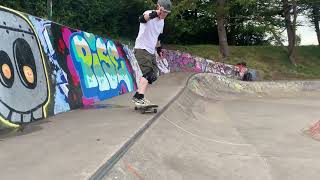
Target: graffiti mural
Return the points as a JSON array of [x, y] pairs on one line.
[[59, 76], [46, 68], [134, 63], [175, 61], [24, 88], [96, 65], [163, 64]]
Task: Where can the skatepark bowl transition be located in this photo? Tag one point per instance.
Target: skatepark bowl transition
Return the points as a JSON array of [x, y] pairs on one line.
[[208, 127]]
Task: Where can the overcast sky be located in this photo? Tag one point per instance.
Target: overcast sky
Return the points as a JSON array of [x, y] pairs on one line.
[[307, 32]]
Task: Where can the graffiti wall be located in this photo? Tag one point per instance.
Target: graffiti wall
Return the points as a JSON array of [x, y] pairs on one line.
[[46, 68], [24, 87], [175, 61], [97, 66]]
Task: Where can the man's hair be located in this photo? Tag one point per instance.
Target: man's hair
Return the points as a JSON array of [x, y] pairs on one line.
[[166, 4]]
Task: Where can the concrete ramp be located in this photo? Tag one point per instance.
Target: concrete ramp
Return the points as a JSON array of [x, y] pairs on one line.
[[212, 128], [214, 86], [220, 128]]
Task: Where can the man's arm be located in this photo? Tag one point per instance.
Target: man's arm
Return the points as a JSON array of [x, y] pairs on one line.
[[158, 46], [148, 16]]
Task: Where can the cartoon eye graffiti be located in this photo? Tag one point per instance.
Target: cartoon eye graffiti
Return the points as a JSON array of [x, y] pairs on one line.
[[28, 73], [25, 63], [6, 70], [24, 85]]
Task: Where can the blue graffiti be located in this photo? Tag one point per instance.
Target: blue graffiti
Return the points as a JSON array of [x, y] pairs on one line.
[[103, 73]]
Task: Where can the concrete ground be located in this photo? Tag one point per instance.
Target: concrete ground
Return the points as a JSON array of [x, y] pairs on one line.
[[212, 132], [213, 128], [74, 145]]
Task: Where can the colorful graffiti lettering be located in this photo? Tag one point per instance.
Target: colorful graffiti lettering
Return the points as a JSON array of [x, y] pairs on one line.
[[99, 67], [177, 61]]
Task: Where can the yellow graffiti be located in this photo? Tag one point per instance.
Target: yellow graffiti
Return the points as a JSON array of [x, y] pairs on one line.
[[113, 53], [8, 124], [84, 57], [107, 64], [238, 86]]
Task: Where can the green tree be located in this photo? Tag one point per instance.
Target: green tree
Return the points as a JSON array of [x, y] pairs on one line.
[[34, 7], [275, 16], [290, 16], [195, 21], [312, 10], [221, 15]]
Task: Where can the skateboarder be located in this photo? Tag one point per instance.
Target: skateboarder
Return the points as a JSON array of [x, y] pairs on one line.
[[146, 45]]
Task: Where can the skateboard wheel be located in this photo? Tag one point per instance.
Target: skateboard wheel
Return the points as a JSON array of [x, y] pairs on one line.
[[143, 112], [155, 111], [135, 108]]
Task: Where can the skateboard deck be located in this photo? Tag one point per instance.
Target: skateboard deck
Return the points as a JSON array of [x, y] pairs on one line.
[[148, 108]]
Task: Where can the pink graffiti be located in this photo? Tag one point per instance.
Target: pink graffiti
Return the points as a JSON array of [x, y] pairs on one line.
[[187, 63]]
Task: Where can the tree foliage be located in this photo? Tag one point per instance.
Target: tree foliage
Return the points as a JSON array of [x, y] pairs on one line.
[[247, 22], [312, 10]]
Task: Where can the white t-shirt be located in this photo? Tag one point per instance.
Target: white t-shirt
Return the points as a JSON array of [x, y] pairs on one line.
[[148, 34]]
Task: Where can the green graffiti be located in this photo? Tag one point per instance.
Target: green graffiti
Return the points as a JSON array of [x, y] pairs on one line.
[[91, 39], [84, 57], [123, 75], [100, 75], [107, 64]]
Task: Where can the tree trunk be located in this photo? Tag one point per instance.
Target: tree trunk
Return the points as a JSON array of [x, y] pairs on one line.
[[291, 28], [49, 9], [316, 19], [223, 41]]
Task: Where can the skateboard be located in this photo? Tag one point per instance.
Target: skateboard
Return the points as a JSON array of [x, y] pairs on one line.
[[148, 108]]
